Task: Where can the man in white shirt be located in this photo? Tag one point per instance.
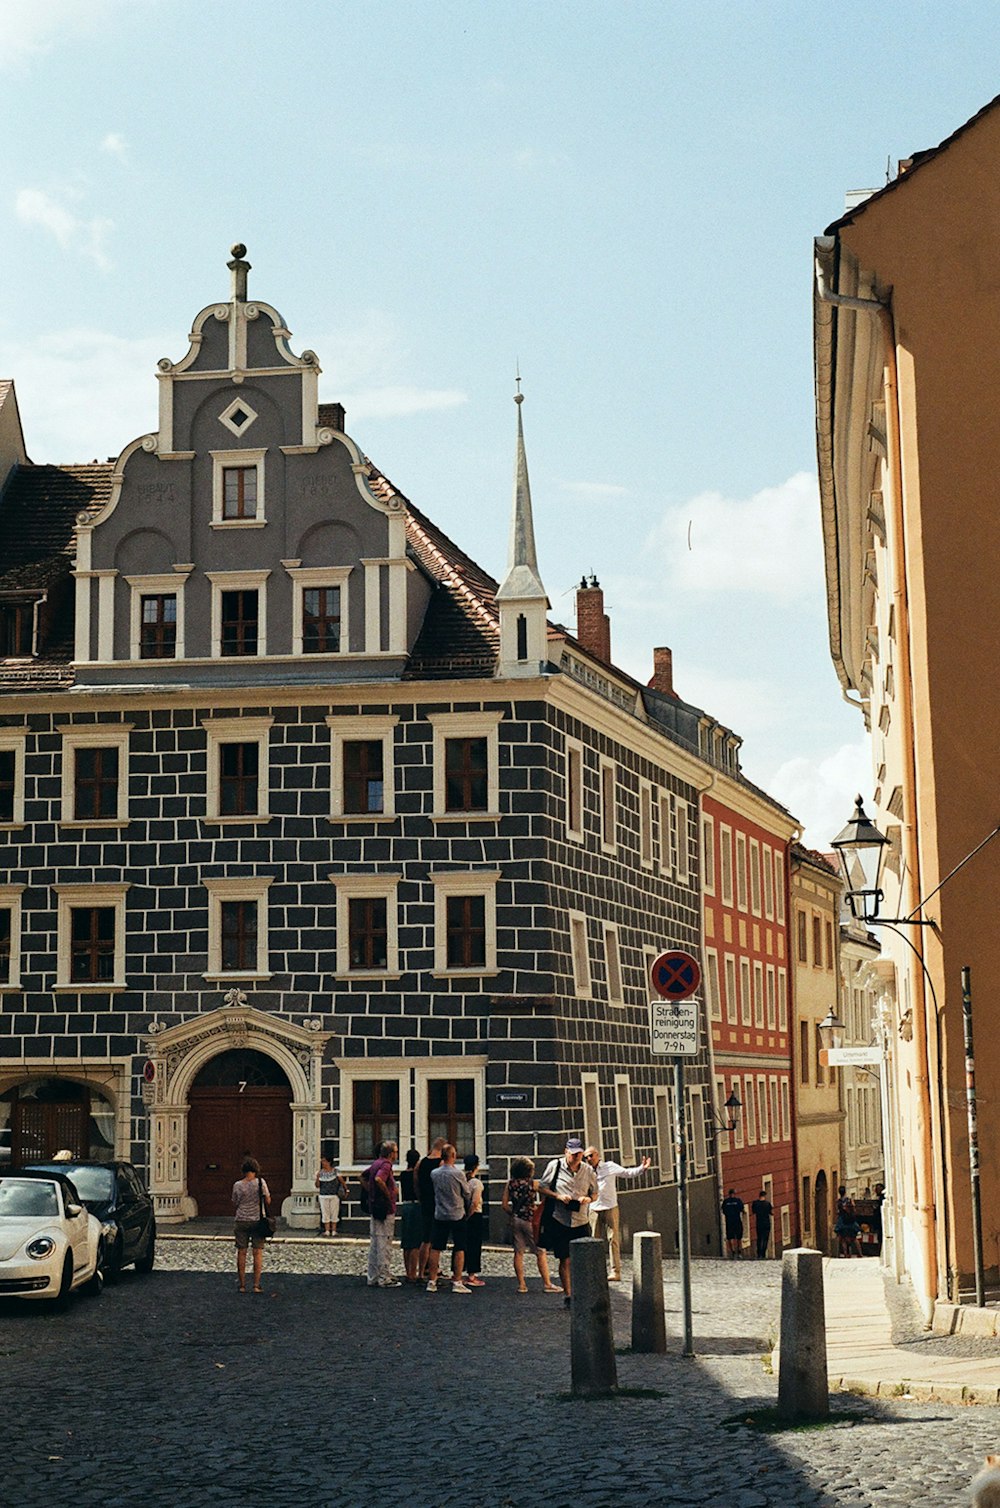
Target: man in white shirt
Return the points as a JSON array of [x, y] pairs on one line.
[[604, 1210]]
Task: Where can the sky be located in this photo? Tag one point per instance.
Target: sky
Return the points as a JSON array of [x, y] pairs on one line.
[[619, 199]]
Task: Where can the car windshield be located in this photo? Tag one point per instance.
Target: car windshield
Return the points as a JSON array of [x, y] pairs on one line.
[[25, 1196], [94, 1185]]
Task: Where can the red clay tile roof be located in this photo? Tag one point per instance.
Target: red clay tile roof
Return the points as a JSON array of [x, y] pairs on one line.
[[38, 520]]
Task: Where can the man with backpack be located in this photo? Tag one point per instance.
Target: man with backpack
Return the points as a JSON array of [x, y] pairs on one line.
[[571, 1184], [378, 1193]]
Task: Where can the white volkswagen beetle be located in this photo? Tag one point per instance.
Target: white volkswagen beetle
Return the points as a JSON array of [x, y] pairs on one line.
[[50, 1245]]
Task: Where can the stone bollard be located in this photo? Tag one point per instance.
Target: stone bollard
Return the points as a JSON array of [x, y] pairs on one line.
[[803, 1390], [592, 1342], [649, 1327]]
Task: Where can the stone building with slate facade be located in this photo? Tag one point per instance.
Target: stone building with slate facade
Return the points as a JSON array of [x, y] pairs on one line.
[[313, 834]]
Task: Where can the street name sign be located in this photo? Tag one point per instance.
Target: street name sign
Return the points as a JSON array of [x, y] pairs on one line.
[[853, 1057]]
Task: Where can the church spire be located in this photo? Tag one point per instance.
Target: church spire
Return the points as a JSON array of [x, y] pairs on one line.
[[521, 598]]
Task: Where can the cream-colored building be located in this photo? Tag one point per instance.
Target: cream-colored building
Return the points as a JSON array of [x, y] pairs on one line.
[[862, 987], [815, 891], [907, 309]]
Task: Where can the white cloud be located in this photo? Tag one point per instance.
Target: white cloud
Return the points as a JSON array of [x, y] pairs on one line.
[[595, 490], [768, 544], [30, 28], [36, 207], [83, 394], [821, 791], [399, 402], [369, 368], [115, 144]]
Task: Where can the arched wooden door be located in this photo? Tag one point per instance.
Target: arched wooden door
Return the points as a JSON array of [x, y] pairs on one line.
[[240, 1107]]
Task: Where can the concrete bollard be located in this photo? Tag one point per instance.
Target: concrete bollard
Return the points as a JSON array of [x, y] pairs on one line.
[[803, 1389], [591, 1338], [649, 1326]]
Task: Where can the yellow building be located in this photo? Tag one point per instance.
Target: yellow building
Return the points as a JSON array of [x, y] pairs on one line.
[[815, 891], [907, 309]]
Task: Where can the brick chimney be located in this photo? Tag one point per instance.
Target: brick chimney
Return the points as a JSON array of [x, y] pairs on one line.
[[663, 671], [593, 627]]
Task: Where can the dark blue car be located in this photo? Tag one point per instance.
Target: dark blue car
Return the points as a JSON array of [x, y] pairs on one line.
[[114, 1192]]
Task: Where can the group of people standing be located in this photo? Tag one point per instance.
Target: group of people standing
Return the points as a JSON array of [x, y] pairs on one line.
[[732, 1214]]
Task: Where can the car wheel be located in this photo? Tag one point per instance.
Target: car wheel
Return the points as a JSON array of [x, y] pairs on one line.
[[95, 1283], [111, 1261], [145, 1262], [61, 1301]]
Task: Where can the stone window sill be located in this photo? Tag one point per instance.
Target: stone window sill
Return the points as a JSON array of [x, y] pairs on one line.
[[111, 988], [238, 978], [465, 817], [105, 822], [486, 973], [369, 974]]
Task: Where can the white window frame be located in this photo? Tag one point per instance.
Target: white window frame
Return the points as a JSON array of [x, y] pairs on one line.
[[682, 868], [771, 998], [471, 882], [645, 824], [738, 1118], [762, 1120], [90, 736], [237, 730], [758, 995], [668, 834], [14, 741], [608, 789], [742, 891], [779, 887], [574, 756], [171, 585], [457, 1067], [590, 1100], [707, 852], [221, 459], [722, 1131], [626, 1127], [613, 972], [746, 993], [786, 1225], [304, 578], [663, 1114], [782, 1000], [775, 1107], [768, 871], [87, 896], [697, 1142], [579, 949], [354, 1069], [239, 581], [248, 888], [345, 730], [726, 864], [786, 1109], [348, 887], [713, 994], [732, 997], [755, 877], [10, 900], [476, 724], [750, 1110]]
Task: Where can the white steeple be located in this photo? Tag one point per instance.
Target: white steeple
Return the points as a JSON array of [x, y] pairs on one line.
[[521, 596]]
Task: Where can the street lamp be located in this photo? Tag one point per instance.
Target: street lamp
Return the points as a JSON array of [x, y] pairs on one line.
[[733, 1107], [831, 1030], [861, 851]]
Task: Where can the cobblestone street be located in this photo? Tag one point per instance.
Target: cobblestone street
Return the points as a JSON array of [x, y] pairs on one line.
[[176, 1390]]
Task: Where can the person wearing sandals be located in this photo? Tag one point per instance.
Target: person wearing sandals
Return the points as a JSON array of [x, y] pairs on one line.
[[519, 1202], [411, 1217], [474, 1224], [251, 1197], [331, 1188]]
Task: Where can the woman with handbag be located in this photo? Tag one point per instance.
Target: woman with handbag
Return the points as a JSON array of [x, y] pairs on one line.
[[519, 1201], [250, 1223]]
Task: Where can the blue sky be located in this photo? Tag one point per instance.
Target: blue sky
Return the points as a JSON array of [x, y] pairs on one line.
[[620, 197]]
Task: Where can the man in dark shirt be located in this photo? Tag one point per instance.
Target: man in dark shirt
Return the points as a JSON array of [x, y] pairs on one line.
[[425, 1193], [763, 1212], [732, 1213]]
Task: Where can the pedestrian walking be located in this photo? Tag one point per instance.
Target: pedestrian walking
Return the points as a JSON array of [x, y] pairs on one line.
[[763, 1213], [572, 1183], [604, 1212], [847, 1225], [732, 1214], [251, 1196], [425, 1189], [474, 1224], [411, 1227], [452, 1201], [519, 1199], [380, 1184], [331, 1189]]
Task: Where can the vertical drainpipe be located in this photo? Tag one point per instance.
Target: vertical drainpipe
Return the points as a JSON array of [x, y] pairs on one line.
[[926, 1173]]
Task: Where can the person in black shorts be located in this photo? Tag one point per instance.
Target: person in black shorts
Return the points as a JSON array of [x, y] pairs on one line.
[[452, 1201], [425, 1193]]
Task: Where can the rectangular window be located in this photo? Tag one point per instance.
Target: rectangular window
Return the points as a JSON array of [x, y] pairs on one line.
[[779, 887], [376, 1116], [817, 942], [609, 805], [158, 626], [762, 1109], [768, 868], [758, 995], [8, 784], [239, 937], [364, 775], [802, 949], [362, 782], [581, 957], [807, 1204], [772, 1085], [368, 933], [741, 871], [10, 936], [668, 834], [738, 1116], [240, 619], [95, 784], [682, 871], [712, 991], [746, 999], [466, 775], [451, 1113], [726, 864], [645, 825], [772, 1011], [755, 876], [466, 927], [698, 1147], [707, 852], [829, 945], [92, 944], [626, 1132], [321, 620], [749, 1114], [782, 1001], [852, 1128], [722, 1115], [665, 1144], [820, 1071], [593, 1133], [804, 1064], [6, 944], [17, 626], [239, 492], [239, 779], [732, 999], [786, 1225], [613, 964], [574, 791]]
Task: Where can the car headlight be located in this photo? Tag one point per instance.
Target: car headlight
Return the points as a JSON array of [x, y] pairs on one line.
[[41, 1246]]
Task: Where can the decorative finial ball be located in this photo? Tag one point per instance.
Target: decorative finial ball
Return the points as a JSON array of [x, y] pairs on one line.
[[239, 250], [518, 397]]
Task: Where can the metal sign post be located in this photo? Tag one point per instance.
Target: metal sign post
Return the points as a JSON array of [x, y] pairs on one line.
[[673, 1030], [970, 1100]]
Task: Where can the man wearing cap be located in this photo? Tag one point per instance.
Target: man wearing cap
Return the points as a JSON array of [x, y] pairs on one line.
[[572, 1183], [604, 1210]]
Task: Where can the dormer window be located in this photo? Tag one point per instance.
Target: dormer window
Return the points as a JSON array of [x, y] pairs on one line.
[[17, 623], [237, 489]]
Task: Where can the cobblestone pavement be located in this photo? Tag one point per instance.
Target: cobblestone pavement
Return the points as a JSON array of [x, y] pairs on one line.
[[909, 1330], [175, 1390]]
